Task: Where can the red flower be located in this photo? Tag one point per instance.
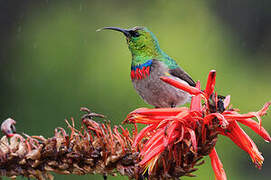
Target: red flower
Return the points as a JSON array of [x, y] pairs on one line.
[[169, 126]]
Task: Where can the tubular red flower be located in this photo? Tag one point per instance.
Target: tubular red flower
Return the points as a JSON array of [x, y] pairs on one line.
[[154, 141], [170, 132], [263, 111], [210, 85], [142, 133], [196, 101], [159, 111], [154, 144], [217, 166], [240, 138], [224, 123], [182, 86], [148, 159], [256, 128], [193, 139]]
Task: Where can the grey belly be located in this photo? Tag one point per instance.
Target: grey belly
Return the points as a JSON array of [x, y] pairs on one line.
[[158, 93]]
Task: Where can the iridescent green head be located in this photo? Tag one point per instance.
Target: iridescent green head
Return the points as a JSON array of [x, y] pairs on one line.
[[142, 43]]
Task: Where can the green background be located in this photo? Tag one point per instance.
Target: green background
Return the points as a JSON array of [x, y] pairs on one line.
[[56, 63]]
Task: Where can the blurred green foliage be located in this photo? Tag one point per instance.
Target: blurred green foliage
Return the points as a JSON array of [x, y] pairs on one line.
[[60, 63]]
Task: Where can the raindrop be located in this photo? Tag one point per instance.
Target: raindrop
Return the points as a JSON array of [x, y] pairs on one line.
[[80, 7]]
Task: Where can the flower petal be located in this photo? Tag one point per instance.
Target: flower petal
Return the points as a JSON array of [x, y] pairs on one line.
[[263, 111], [182, 86], [217, 166], [227, 101], [154, 152], [193, 139], [223, 122], [210, 85], [170, 132], [142, 133], [156, 138], [159, 111], [256, 128], [196, 101], [240, 138]]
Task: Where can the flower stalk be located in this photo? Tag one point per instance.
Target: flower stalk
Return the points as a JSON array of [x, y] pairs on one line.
[[96, 148]]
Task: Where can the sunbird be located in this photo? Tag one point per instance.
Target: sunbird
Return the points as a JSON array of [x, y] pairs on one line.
[[149, 63]]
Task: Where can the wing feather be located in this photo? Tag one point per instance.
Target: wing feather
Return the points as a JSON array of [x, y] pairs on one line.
[[178, 72]]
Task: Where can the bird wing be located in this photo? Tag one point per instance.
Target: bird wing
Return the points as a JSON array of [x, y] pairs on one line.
[[176, 72], [179, 73]]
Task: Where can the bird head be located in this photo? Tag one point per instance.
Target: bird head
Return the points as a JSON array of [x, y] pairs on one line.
[[140, 40]]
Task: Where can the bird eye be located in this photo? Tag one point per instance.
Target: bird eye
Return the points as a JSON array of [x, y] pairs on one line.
[[134, 33]]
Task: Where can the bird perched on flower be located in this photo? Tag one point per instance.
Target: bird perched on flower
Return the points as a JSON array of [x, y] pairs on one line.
[[149, 63]]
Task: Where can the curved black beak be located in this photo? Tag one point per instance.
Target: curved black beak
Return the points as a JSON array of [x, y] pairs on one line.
[[124, 31]]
